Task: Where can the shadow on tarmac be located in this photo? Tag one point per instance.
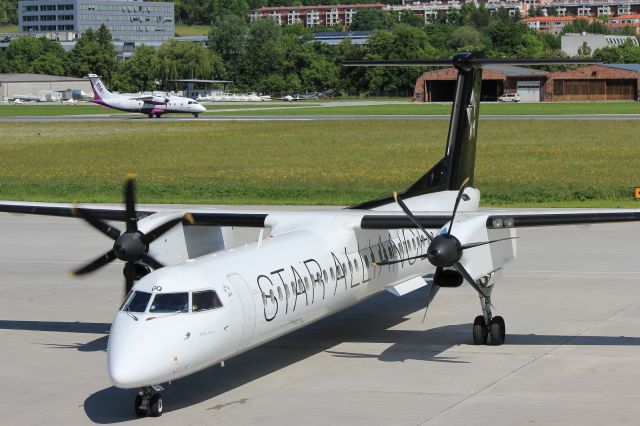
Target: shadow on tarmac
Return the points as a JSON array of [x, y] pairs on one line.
[[369, 321]]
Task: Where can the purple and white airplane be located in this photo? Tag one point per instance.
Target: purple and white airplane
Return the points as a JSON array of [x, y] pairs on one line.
[[152, 105]]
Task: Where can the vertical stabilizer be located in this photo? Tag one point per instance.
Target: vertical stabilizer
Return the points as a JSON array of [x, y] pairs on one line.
[[459, 159], [460, 154], [100, 91], [458, 162]]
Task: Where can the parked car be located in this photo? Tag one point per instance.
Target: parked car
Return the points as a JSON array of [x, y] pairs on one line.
[[509, 97]]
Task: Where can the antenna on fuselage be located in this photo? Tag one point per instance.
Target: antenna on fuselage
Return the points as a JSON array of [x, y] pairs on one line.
[[458, 162]]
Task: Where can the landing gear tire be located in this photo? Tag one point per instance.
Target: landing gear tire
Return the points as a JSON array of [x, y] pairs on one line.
[[497, 330], [158, 115], [150, 115], [155, 406], [140, 412], [195, 115], [479, 331]]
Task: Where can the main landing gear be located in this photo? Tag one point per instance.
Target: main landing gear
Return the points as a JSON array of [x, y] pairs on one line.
[[195, 115], [486, 327], [148, 402]]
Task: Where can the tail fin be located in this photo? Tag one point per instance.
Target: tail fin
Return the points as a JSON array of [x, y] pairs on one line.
[[459, 158], [99, 89]]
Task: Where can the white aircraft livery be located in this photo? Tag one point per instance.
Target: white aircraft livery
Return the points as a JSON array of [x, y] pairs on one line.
[[145, 104], [194, 299]]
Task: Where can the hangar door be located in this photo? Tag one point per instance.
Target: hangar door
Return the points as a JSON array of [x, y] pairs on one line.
[[529, 91]]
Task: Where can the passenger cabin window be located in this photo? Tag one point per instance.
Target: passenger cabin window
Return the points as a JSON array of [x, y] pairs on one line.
[[170, 302], [205, 300], [137, 302]]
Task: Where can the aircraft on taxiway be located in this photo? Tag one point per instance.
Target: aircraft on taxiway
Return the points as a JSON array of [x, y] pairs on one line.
[[152, 105], [194, 301]]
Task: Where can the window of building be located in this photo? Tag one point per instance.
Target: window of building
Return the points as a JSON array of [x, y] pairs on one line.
[[558, 87]]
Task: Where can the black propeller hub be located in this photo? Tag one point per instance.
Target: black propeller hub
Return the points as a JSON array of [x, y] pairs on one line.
[[444, 250], [129, 246]]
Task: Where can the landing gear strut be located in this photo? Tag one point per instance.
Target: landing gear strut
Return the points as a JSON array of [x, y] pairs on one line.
[[148, 402], [486, 327]]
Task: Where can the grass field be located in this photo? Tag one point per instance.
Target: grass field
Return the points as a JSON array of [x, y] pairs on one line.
[[8, 28], [546, 163], [183, 30], [314, 108]]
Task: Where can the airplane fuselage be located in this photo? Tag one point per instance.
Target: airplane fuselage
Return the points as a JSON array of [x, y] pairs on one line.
[[173, 105], [267, 289]]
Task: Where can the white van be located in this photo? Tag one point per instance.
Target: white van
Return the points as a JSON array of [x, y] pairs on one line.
[[509, 97]]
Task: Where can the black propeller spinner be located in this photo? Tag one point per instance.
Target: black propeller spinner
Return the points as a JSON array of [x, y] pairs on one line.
[[445, 250], [131, 246]]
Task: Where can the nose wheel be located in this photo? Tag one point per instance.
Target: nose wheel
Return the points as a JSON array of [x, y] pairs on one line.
[[148, 403]]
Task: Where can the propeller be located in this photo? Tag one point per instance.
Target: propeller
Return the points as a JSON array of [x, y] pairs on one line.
[[445, 250], [130, 246]]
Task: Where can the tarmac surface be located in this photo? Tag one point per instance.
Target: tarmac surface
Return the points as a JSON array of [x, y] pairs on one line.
[[571, 303], [342, 117]]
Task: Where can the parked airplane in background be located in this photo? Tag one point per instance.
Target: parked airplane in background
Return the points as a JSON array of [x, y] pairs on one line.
[[195, 301], [152, 105]]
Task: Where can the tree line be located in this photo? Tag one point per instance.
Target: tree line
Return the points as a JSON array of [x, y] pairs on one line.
[[265, 57]]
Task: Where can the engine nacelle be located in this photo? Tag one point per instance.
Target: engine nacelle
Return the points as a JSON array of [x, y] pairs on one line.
[[181, 243], [447, 278]]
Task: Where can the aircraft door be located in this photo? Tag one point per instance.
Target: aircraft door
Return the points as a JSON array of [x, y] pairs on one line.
[[248, 308]]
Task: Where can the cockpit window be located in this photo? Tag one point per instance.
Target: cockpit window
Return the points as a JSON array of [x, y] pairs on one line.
[[205, 300], [170, 302], [138, 302]]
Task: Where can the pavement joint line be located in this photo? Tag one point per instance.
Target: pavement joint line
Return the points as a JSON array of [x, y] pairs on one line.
[[535, 359], [260, 395]]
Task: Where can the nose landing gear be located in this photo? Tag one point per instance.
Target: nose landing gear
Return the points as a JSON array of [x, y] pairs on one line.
[[148, 402]]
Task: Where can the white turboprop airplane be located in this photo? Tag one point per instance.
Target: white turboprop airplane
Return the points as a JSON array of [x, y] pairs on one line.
[[195, 301], [151, 105]]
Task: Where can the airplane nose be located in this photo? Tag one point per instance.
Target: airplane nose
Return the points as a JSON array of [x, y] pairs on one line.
[[129, 363]]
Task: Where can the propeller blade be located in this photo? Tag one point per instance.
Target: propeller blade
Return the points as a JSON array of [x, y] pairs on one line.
[[101, 226], [130, 203], [152, 235], [432, 294], [106, 258], [472, 245], [455, 206], [405, 209], [458, 266], [151, 261], [393, 262]]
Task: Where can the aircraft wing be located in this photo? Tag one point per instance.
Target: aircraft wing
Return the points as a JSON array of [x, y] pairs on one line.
[[513, 218], [118, 213], [154, 100], [495, 219]]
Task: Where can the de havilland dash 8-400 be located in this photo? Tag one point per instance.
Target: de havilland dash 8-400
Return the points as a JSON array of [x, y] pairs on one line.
[[194, 301]]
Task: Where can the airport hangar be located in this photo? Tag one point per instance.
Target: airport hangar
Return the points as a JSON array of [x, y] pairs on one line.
[[20, 84], [604, 82]]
